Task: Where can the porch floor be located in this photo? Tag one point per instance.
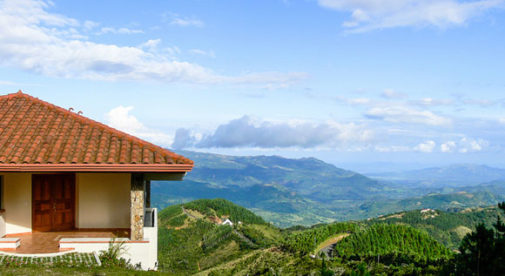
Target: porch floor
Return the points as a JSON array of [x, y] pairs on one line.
[[48, 242]]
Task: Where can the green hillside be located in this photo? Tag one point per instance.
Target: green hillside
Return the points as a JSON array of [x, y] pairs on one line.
[[449, 228], [284, 191], [275, 204], [308, 191], [402, 241], [452, 201], [192, 239]]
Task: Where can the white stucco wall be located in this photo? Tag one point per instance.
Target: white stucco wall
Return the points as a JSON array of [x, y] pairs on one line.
[[103, 200], [144, 252], [2, 225], [18, 202]]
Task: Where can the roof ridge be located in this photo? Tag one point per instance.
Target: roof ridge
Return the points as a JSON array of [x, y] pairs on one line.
[[85, 119]]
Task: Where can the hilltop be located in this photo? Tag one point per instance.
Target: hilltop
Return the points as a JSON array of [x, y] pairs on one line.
[[192, 240], [192, 237]]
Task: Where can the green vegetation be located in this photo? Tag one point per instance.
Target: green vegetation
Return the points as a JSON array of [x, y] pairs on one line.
[[482, 250], [200, 242], [308, 191], [398, 241], [284, 191], [448, 228], [397, 244], [385, 245], [306, 241], [222, 207]]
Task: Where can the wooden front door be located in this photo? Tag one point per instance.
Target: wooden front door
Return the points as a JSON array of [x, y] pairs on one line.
[[53, 202]]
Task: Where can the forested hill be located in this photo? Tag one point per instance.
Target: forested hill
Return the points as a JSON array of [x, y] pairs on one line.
[[448, 228], [192, 238], [282, 190], [308, 177], [193, 241]]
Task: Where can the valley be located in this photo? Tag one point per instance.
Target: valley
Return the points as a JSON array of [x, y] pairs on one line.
[[308, 191]]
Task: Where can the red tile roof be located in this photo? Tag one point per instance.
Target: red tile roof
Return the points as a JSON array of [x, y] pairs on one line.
[[39, 136]]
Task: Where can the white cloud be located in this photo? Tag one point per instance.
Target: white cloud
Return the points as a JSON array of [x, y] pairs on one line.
[[464, 145], [472, 145], [203, 53], [427, 146], [448, 146], [246, 132], [379, 148], [36, 40], [432, 102], [151, 44], [186, 21], [368, 15], [111, 30], [403, 114], [121, 119]]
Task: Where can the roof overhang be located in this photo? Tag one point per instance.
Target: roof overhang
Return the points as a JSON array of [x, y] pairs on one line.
[[154, 168]]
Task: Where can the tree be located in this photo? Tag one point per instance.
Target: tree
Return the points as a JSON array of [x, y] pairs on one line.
[[482, 251]]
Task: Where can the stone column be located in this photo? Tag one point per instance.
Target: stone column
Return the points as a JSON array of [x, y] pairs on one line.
[[137, 207]]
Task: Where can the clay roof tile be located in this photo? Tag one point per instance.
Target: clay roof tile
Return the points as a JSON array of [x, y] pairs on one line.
[[35, 132]]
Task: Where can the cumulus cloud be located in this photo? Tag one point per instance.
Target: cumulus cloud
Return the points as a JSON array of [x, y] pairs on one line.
[[246, 132], [36, 40], [464, 145], [183, 139], [404, 114], [427, 146], [448, 146], [121, 119], [472, 145], [369, 15]]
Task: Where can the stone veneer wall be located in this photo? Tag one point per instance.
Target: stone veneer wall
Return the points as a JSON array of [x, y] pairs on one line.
[[137, 207]]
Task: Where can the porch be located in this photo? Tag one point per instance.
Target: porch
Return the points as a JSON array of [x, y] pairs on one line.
[[49, 242]]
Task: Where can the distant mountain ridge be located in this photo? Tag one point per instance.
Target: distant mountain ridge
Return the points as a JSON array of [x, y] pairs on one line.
[[308, 191], [286, 191], [457, 175]]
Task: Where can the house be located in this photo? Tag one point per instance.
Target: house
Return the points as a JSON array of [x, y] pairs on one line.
[[227, 222], [71, 184]]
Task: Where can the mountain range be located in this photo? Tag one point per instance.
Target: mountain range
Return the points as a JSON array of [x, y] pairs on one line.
[[307, 191], [457, 175]]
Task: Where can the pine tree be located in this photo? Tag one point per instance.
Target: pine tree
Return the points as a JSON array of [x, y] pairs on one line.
[[483, 251]]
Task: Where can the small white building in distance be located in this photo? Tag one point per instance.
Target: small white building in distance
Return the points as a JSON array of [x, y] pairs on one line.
[[227, 222]]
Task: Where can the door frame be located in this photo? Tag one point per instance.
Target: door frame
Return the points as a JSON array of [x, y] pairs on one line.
[[73, 204]]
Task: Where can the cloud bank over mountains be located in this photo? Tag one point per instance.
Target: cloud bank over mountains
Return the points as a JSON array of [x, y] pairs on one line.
[[255, 133]]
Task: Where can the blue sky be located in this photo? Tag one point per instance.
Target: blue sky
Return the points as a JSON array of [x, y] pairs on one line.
[[353, 82]]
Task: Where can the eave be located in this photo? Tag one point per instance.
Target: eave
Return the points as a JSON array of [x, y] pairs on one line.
[[171, 168]]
